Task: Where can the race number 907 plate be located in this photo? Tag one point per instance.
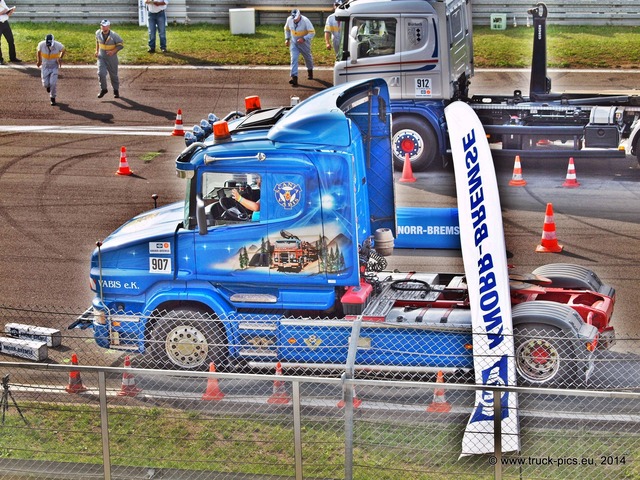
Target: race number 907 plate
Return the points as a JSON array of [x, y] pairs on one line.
[[159, 265], [423, 87]]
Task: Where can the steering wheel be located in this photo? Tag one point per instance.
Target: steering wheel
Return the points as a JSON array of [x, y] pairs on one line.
[[232, 209]]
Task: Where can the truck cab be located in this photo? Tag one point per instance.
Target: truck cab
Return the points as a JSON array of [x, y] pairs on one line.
[[321, 176]]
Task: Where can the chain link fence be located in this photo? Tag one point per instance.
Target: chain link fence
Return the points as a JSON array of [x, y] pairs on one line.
[[193, 402]]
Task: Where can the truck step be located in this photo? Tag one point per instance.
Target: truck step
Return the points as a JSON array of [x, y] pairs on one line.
[[365, 368], [258, 352], [387, 299], [29, 349], [255, 326], [51, 336]]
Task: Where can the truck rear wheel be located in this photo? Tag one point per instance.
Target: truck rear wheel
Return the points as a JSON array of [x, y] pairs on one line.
[[542, 356], [417, 138], [187, 339]]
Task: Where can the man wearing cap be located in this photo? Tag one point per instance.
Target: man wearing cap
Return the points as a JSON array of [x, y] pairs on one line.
[[157, 20], [333, 30], [298, 33], [49, 55], [108, 44]]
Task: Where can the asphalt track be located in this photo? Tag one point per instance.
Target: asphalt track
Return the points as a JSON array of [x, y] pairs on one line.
[[59, 193]]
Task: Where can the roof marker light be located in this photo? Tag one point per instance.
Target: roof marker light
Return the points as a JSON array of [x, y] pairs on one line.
[[221, 131], [252, 103]]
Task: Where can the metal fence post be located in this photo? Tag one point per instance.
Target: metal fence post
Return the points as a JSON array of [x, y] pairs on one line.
[[104, 425], [348, 398], [497, 433], [297, 429]]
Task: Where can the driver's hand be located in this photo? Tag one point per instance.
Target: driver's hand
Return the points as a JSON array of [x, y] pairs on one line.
[[235, 194]]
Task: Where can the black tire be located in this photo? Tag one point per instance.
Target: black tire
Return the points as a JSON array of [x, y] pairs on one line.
[[545, 357], [417, 138], [187, 339], [540, 354], [635, 149]]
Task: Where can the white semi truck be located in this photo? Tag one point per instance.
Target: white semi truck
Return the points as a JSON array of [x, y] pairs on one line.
[[424, 51]]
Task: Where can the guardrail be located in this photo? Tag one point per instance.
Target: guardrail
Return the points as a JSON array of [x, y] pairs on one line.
[[93, 412], [128, 423]]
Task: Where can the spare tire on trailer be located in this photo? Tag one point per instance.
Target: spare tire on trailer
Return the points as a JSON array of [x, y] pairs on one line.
[[576, 277], [415, 137]]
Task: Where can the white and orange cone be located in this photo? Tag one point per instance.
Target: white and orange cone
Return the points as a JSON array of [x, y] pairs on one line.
[[549, 241], [213, 391], [75, 382], [439, 403], [407, 171], [128, 388], [356, 401], [123, 169], [516, 178], [280, 396], [571, 181], [178, 128]]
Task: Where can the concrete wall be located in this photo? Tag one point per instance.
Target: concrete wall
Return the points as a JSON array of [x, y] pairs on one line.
[[581, 12]]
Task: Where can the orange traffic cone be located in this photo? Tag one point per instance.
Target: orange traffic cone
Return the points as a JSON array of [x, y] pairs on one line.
[[280, 396], [549, 242], [123, 169], [75, 382], [356, 401], [407, 171], [516, 179], [439, 403], [178, 129], [128, 388], [571, 180], [213, 391]]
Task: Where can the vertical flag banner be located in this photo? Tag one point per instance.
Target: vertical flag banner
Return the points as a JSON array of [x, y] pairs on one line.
[[485, 266], [142, 13]]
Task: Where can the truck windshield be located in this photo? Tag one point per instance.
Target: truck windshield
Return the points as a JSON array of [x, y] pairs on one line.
[[374, 37]]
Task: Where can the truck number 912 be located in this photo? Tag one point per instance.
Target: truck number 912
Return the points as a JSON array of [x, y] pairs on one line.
[[423, 87], [159, 265]]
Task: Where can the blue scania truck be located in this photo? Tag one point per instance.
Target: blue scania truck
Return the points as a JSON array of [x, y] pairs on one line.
[[216, 279]]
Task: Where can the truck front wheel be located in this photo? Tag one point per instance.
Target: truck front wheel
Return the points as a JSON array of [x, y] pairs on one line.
[[416, 138], [186, 339]]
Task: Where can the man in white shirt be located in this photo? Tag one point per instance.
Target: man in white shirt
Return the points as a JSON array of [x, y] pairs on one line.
[[333, 30], [157, 20], [5, 30]]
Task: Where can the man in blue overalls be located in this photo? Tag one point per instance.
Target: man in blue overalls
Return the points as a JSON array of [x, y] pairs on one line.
[[298, 33], [108, 44]]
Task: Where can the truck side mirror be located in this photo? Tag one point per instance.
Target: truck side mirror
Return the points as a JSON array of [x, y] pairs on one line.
[[353, 45], [201, 216]]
